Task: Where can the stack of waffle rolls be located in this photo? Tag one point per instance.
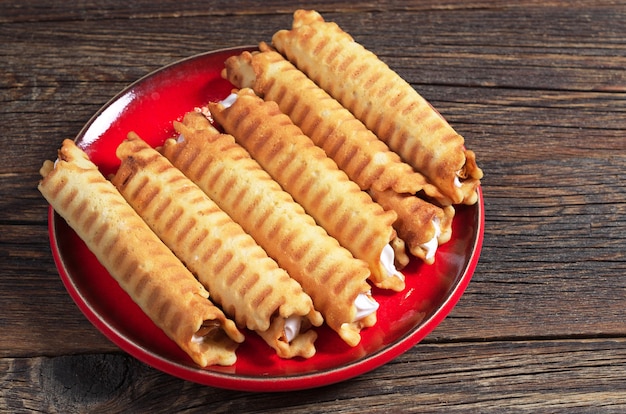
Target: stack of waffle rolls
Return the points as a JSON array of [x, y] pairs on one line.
[[237, 272], [366, 160], [383, 101], [312, 178], [144, 267], [333, 278]]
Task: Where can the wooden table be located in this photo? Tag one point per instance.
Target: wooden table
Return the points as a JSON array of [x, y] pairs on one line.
[[537, 88]]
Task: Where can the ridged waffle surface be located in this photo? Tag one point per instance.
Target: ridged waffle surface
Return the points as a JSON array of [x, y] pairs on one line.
[[313, 180], [415, 224], [143, 266], [355, 149], [383, 101], [228, 262], [227, 173]]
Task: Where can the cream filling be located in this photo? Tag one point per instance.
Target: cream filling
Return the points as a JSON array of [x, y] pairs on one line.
[[431, 245], [292, 327], [387, 260], [229, 100], [365, 306], [457, 182]]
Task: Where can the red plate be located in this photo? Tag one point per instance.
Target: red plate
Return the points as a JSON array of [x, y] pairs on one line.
[[148, 107]]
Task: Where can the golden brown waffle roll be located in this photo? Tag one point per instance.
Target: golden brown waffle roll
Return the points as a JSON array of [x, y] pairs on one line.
[[143, 266], [383, 101], [401, 257], [238, 274], [314, 181], [334, 279], [355, 149], [421, 225]]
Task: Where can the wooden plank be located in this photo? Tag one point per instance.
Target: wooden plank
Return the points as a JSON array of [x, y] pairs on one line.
[[116, 55], [542, 376], [483, 50], [41, 10], [36, 308]]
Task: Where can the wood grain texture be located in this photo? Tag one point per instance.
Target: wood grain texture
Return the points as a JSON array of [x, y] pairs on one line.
[[537, 88], [520, 376]]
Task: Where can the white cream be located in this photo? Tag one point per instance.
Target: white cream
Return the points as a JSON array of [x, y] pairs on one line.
[[180, 139], [457, 182], [229, 100], [365, 306], [387, 261], [292, 327], [431, 245], [197, 339]]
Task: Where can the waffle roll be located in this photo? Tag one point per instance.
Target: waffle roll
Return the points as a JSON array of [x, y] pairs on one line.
[[238, 274], [335, 280], [314, 181], [383, 101], [356, 150], [421, 225], [137, 259]]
